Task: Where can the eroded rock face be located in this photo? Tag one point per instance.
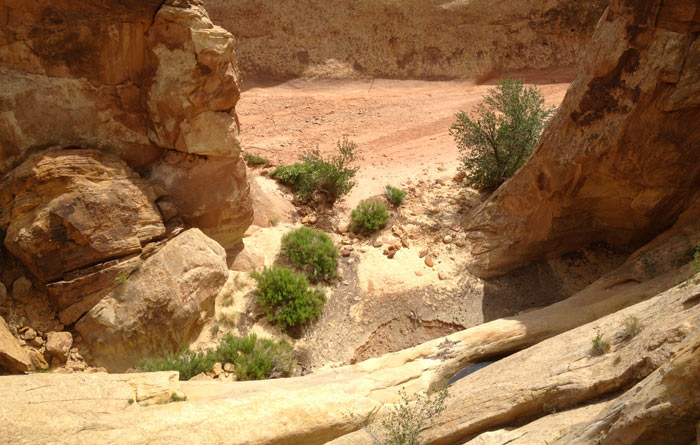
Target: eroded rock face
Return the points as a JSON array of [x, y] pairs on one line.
[[160, 306], [619, 162], [405, 38], [136, 79]]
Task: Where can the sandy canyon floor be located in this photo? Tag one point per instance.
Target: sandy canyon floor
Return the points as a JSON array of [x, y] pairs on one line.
[[383, 304]]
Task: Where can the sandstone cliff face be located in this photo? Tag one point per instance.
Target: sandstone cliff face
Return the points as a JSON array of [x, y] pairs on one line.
[[620, 160], [414, 38], [137, 79], [117, 131]]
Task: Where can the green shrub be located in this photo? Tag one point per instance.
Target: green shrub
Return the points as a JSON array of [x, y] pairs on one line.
[[502, 135], [394, 195], [369, 215], [287, 298], [695, 263], [253, 358], [330, 178], [311, 251], [252, 160], [600, 345]]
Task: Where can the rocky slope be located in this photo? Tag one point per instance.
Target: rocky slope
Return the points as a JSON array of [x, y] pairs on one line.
[[619, 162], [117, 132], [405, 39]]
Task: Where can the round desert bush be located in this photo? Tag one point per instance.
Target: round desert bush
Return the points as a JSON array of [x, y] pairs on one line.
[[311, 251], [394, 195], [286, 297], [369, 215]]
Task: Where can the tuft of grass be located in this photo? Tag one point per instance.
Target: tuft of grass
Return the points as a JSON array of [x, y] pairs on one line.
[[316, 177], [274, 220], [287, 298], [632, 326], [121, 278], [254, 160], [600, 345], [214, 329], [312, 252], [394, 195], [369, 216], [174, 397], [253, 358], [404, 421]]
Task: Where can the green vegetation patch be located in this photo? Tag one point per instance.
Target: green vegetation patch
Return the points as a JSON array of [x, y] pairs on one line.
[[318, 178], [253, 358], [394, 195], [369, 216], [287, 298], [311, 251]]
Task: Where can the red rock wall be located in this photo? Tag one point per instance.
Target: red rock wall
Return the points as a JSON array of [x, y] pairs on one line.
[[621, 159]]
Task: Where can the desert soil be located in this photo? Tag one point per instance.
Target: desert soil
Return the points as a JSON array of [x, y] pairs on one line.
[[383, 304]]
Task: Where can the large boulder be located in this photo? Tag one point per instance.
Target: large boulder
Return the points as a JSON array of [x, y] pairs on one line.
[[160, 306], [65, 210], [619, 161], [13, 359]]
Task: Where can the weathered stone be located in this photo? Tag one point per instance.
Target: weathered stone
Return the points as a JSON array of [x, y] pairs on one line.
[[29, 334], [160, 306], [69, 209], [245, 258], [37, 358], [13, 358], [618, 162], [58, 345], [223, 212], [429, 261]]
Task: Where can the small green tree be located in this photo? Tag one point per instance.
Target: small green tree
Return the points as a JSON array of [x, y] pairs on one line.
[[502, 134]]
